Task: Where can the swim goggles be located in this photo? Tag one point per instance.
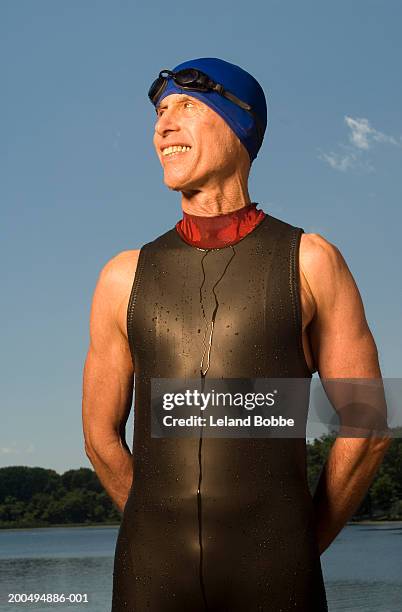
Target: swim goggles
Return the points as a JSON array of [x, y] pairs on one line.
[[193, 80]]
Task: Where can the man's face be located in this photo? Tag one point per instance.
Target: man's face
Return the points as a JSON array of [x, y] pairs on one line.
[[216, 153]]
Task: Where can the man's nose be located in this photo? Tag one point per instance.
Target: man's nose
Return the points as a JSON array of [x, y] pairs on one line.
[[167, 122]]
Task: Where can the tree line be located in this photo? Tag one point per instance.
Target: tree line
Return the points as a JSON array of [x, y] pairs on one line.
[[39, 497]]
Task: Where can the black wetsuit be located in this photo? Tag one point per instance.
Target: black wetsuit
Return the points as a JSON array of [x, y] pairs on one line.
[[217, 524]]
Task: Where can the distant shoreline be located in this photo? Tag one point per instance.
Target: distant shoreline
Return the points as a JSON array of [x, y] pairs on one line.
[[59, 525], [107, 525], [373, 522]]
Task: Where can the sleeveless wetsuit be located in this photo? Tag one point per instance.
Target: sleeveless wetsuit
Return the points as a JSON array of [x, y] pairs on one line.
[[217, 524]]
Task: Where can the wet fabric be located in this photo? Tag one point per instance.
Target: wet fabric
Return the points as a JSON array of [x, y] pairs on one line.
[[217, 524], [220, 230], [239, 82]]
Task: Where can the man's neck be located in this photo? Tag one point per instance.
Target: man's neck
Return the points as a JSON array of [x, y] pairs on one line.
[[212, 203]]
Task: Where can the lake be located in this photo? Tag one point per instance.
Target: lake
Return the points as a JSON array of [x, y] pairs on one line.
[[362, 568]]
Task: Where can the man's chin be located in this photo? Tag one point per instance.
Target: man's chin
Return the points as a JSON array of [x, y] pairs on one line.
[[176, 184]]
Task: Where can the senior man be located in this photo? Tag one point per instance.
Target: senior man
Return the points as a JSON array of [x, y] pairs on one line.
[[229, 292]]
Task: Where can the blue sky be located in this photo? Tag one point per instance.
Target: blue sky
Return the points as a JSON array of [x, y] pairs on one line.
[[80, 181]]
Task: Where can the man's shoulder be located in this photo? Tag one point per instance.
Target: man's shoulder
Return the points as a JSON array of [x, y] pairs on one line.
[[113, 289], [317, 253], [116, 276], [322, 265], [121, 264]]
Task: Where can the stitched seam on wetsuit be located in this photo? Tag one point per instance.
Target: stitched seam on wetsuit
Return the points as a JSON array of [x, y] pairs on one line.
[[133, 298], [295, 295]]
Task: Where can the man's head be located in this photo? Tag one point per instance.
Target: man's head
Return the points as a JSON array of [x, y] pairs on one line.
[[224, 135]]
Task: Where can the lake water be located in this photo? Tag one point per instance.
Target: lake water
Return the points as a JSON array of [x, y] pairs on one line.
[[362, 568]]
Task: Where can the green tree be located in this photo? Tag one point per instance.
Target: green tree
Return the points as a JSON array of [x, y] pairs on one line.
[[23, 482], [83, 478], [384, 492], [317, 453]]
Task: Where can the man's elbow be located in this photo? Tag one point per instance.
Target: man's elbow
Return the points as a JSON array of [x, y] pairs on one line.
[[374, 446], [100, 445], [381, 444], [89, 450]]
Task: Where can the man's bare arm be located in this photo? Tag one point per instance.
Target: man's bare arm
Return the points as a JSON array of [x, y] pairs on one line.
[[108, 379], [343, 347]]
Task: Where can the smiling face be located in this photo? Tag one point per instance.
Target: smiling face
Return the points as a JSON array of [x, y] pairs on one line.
[[212, 152]]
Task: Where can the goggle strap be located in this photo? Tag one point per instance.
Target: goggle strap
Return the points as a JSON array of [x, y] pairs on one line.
[[214, 86], [236, 100]]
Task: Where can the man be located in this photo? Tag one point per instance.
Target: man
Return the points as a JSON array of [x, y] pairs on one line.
[[229, 292]]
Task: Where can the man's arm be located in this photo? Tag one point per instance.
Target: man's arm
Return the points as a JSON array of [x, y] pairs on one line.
[[108, 379], [343, 347]]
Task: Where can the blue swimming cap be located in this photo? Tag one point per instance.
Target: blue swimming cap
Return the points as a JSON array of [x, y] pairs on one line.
[[241, 84]]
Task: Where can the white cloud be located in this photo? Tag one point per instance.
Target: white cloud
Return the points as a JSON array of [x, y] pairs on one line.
[[13, 449], [362, 136], [338, 161], [346, 160]]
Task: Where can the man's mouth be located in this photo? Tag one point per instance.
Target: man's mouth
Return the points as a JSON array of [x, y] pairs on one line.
[[173, 151]]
